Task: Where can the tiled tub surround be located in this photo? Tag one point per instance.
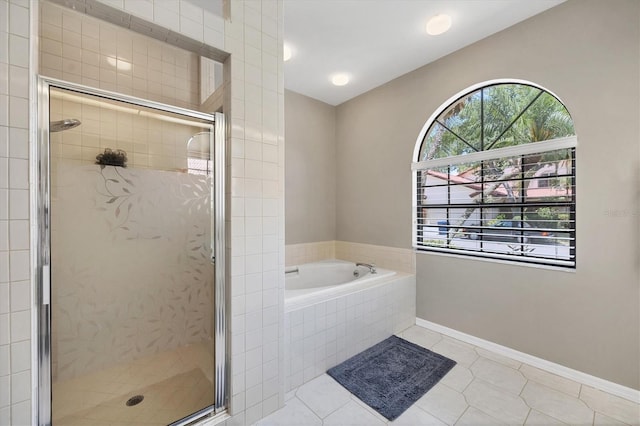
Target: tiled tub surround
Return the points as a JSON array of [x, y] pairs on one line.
[[397, 259], [298, 254], [325, 333]]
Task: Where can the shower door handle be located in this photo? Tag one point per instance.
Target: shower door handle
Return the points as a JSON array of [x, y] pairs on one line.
[[46, 258], [46, 284]]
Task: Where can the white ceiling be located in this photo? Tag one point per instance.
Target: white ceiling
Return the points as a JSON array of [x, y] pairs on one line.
[[375, 41]]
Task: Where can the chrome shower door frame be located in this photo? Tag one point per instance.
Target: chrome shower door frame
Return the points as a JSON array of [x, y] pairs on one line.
[[41, 243]]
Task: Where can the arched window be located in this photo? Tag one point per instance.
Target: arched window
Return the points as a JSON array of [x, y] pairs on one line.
[[494, 176]]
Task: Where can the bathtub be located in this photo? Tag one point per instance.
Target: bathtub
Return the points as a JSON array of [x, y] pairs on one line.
[[313, 282], [330, 315]]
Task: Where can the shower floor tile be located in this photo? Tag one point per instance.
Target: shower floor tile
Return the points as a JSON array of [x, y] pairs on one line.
[[174, 384]]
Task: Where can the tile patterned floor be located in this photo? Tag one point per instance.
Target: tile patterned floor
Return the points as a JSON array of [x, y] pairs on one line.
[[484, 388], [174, 383]]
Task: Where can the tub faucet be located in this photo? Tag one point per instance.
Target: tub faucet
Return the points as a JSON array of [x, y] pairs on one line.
[[371, 266]]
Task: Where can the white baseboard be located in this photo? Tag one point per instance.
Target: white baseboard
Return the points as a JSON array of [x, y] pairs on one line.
[[560, 370]]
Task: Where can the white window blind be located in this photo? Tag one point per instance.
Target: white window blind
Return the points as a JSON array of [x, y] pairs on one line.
[[515, 200]]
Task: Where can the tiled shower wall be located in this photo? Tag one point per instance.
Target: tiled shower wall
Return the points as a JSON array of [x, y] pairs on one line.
[[15, 287], [253, 36], [254, 106], [148, 141], [82, 49]]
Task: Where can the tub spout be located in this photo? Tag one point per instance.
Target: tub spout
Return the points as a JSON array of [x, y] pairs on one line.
[[371, 266]]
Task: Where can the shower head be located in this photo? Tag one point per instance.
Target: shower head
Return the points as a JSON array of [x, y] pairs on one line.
[[66, 124], [198, 145]]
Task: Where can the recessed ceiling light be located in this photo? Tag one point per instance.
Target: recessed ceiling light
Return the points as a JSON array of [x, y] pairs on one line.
[[438, 24], [286, 52], [340, 79]]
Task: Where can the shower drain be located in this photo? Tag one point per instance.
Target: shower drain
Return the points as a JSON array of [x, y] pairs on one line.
[[134, 400]]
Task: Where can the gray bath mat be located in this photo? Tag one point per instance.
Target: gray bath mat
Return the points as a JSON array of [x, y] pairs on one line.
[[392, 375]]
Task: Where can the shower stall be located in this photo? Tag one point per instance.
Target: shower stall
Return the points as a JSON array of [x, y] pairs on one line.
[[130, 259]]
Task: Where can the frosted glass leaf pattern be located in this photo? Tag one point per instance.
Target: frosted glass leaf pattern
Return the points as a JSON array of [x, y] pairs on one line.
[[130, 265]]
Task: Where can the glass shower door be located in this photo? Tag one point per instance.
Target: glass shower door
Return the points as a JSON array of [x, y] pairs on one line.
[[132, 300]]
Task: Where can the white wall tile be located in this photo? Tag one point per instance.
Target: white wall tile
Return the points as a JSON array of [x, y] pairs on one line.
[[213, 37], [253, 74], [20, 386], [253, 226], [269, 26], [4, 172], [5, 360], [18, 173], [71, 38], [191, 11], [21, 413], [5, 385], [167, 18], [4, 110], [253, 168], [71, 21], [18, 20], [50, 31], [4, 15], [253, 207], [191, 28], [18, 235], [20, 326], [20, 356], [88, 29], [4, 47], [5, 337], [4, 298], [20, 296], [4, 141], [19, 81], [253, 300], [19, 265], [4, 79], [141, 8], [4, 235], [253, 245], [4, 272], [18, 200], [18, 142], [18, 112]]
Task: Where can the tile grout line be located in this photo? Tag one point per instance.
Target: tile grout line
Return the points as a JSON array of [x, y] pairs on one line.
[[528, 414], [311, 409], [462, 415]]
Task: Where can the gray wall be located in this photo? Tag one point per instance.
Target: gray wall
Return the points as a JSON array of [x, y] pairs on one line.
[[310, 178], [587, 52]]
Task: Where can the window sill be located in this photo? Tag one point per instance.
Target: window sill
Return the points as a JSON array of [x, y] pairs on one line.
[[494, 260]]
